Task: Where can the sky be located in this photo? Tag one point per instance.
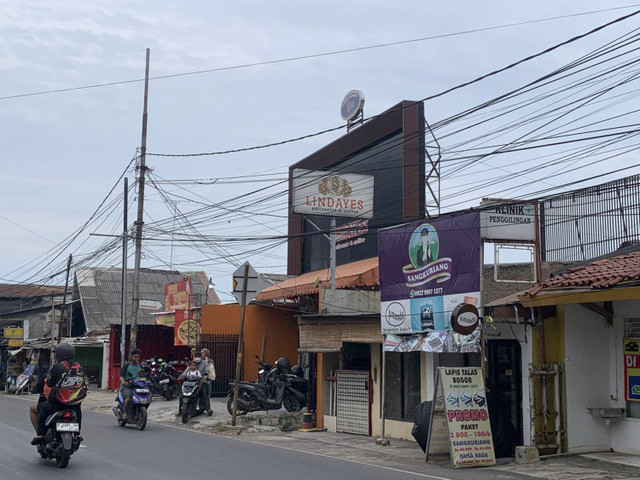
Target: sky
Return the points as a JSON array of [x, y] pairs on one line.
[[233, 75]]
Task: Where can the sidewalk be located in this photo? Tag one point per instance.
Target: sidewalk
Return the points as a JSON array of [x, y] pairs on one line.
[[264, 428]]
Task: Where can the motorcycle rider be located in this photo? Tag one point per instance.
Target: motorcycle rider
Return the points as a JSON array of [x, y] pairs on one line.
[[204, 369], [128, 372], [63, 352]]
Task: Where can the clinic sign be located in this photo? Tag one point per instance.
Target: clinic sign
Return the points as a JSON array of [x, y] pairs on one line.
[[427, 269], [632, 369], [507, 221], [333, 194]]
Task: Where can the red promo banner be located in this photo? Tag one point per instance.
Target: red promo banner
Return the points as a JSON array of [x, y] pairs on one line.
[[177, 295], [187, 329]]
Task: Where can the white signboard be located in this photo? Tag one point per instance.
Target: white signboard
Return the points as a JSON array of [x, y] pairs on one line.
[[507, 221], [150, 305], [255, 283], [333, 194]]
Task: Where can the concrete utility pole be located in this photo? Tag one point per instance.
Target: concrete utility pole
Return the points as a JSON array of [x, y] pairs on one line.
[[125, 241], [139, 221]]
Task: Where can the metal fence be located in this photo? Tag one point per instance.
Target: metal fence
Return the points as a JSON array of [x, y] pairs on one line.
[[590, 222], [224, 349]]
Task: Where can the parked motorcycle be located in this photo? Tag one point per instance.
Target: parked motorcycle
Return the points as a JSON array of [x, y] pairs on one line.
[[191, 402], [167, 379], [137, 407], [61, 438], [279, 388]]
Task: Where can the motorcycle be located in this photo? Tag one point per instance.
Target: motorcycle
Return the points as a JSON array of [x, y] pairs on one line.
[[279, 388], [61, 438], [138, 404], [167, 380], [191, 402]]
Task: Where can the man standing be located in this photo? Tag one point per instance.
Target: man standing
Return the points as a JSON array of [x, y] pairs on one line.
[[206, 356], [128, 372], [203, 368]]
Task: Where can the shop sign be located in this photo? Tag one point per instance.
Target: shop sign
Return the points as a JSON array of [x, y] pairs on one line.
[[352, 105], [465, 318], [177, 295], [13, 333], [507, 221], [14, 342], [632, 369], [426, 271], [187, 329], [461, 392], [332, 193]]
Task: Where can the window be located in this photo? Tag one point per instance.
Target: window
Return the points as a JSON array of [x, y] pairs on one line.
[[402, 385]]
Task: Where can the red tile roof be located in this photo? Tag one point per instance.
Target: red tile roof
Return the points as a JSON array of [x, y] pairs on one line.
[[603, 273], [28, 290]]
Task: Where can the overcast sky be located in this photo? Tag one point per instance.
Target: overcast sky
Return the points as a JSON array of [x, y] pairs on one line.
[[63, 152]]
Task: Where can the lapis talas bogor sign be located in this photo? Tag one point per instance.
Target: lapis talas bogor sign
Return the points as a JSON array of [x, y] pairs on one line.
[[465, 401]]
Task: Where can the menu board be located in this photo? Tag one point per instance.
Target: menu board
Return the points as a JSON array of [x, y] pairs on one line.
[[466, 415]]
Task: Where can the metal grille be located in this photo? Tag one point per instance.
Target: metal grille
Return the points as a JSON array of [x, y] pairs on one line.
[[223, 348], [352, 402], [547, 402], [590, 222]]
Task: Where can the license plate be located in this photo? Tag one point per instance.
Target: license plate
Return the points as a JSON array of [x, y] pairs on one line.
[[142, 390], [166, 380], [67, 427]]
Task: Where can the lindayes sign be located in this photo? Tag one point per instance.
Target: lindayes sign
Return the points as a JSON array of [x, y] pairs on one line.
[[333, 194]]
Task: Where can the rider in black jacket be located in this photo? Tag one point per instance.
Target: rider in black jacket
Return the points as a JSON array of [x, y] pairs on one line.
[[63, 351]]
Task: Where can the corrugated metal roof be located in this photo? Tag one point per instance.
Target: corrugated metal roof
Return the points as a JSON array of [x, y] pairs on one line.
[[363, 273], [100, 292]]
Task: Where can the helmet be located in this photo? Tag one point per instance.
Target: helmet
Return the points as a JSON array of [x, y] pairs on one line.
[[283, 365], [64, 351], [297, 371]]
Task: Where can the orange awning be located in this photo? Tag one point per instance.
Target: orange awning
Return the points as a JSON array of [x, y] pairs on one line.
[[363, 273]]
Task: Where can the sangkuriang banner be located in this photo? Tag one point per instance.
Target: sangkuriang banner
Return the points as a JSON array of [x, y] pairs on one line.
[[427, 269]]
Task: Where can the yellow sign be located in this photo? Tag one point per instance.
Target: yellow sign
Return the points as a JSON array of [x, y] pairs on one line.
[[14, 342], [13, 333]]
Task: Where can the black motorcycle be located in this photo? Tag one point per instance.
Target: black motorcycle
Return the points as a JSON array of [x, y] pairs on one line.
[[279, 388], [191, 402], [62, 437], [166, 378]]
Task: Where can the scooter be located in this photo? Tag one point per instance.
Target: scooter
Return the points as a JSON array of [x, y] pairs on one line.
[[190, 404], [253, 396], [167, 381], [61, 438], [138, 404]]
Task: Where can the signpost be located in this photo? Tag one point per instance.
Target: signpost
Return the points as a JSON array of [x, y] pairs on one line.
[[460, 396]]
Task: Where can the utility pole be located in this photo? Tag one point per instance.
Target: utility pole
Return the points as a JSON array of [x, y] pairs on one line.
[[64, 296], [125, 240], [54, 318], [139, 221]]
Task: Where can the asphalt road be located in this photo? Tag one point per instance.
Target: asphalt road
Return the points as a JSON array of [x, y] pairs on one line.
[[110, 451]]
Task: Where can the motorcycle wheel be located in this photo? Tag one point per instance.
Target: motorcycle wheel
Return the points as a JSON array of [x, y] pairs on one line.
[[186, 406], [141, 420], [62, 460], [239, 409], [291, 403], [167, 394]]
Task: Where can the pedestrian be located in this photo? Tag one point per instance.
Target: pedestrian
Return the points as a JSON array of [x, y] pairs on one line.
[[206, 355]]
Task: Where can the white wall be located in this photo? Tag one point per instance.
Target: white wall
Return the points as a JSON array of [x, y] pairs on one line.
[[588, 343]]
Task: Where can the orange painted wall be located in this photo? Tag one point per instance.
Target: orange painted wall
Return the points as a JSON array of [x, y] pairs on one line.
[[278, 326]]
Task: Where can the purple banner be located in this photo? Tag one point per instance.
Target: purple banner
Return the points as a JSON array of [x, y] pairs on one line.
[[426, 269]]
